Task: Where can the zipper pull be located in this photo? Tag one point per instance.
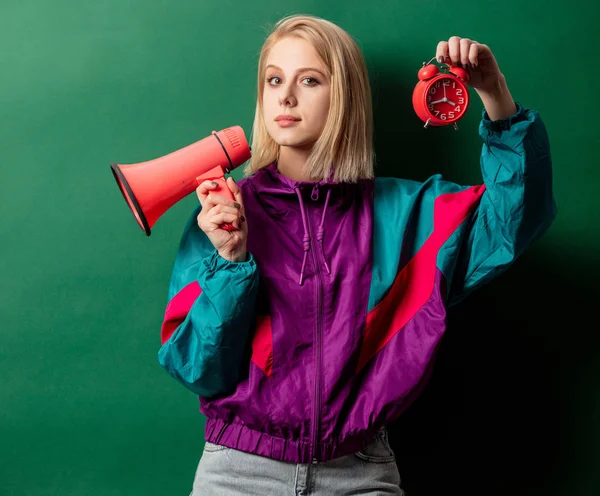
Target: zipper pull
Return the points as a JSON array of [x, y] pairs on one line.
[[315, 193]]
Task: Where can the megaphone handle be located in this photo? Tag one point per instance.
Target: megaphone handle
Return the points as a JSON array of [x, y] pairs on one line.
[[222, 190]]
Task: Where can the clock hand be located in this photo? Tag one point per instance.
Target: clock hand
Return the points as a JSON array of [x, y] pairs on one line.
[[450, 102], [438, 101]]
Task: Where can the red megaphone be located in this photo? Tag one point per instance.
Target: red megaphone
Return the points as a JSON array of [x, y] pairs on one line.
[[151, 188]]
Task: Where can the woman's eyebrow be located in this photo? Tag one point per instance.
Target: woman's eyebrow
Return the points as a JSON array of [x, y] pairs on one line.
[[301, 69]]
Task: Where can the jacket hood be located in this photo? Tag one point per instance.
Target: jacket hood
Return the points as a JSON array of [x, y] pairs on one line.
[[273, 182], [269, 182]]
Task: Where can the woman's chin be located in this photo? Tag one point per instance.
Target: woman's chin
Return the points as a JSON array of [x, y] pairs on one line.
[[291, 139]]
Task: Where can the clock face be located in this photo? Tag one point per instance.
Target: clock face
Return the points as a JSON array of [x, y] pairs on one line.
[[447, 99]]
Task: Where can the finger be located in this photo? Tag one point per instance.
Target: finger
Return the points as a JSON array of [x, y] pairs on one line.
[[214, 222], [441, 51], [454, 49], [217, 199], [217, 209], [474, 53], [237, 193], [223, 218], [465, 45], [203, 190]]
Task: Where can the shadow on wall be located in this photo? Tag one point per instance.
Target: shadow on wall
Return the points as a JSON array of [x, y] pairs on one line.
[[497, 416], [493, 419], [404, 148]]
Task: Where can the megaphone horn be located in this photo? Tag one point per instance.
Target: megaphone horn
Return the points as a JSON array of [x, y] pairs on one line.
[[151, 188]]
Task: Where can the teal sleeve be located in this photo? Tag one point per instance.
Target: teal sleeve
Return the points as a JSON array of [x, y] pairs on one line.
[[206, 352], [517, 206]]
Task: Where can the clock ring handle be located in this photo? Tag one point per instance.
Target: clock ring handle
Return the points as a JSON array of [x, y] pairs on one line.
[[430, 61], [448, 65]]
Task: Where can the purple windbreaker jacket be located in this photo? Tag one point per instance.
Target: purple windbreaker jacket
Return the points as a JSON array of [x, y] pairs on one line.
[[329, 329]]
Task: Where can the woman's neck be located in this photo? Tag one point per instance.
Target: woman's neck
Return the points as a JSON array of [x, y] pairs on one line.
[[291, 163]]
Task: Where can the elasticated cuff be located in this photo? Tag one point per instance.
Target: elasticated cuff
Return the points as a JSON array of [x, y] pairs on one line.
[[216, 262]]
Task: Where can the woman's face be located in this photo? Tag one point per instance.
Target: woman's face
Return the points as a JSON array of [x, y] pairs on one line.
[[297, 86]]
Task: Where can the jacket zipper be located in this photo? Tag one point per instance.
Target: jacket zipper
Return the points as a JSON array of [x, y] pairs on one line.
[[317, 409]]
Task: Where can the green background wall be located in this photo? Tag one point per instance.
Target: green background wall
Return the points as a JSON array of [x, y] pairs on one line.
[[85, 409]]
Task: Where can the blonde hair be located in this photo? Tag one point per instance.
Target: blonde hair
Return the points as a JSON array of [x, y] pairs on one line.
[[346, 143]]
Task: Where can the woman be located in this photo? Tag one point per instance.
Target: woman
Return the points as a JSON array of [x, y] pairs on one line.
[[315, 324]]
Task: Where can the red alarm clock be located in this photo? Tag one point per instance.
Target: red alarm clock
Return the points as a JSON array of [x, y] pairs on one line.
[[441, 96]]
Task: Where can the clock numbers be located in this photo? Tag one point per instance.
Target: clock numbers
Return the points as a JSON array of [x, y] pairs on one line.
[[445, 99], [449, 116], [440, 99]]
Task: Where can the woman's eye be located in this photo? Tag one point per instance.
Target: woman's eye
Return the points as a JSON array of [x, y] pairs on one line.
[[312, 81], [307, 81]]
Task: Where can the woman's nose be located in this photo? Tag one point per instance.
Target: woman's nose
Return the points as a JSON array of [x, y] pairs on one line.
[[287, 99]]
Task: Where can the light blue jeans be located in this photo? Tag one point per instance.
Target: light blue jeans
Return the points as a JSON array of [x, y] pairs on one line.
[[228, 472]]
